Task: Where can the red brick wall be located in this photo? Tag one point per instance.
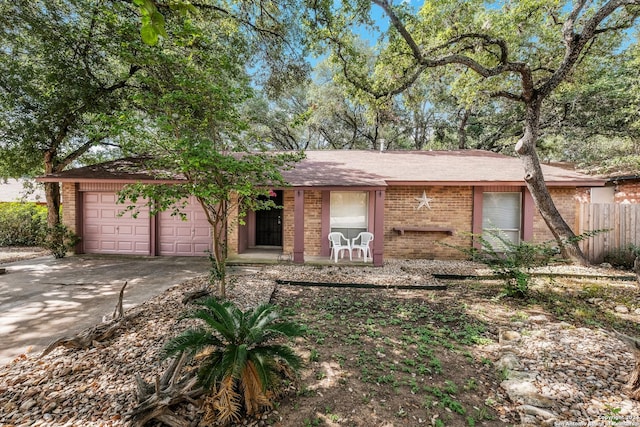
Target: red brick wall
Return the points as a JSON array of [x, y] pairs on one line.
[[69, 206], [312, 222], [232, 228], [566, 200], [583, 195], [627, 192], [287, 222], [451, 207]]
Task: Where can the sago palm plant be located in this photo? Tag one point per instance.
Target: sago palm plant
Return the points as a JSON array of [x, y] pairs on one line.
[[238, 354]]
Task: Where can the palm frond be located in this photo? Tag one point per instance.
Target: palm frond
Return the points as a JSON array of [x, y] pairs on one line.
[[190, 341], [218, 316], [264, 367], [211, 370], [254, 390], [281, 329], [210, 413], [262, 316], [264, 326], [282, 352], [227, 401], [234, 360]]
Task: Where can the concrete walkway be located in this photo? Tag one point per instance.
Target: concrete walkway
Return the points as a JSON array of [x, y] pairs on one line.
[[43, 299]]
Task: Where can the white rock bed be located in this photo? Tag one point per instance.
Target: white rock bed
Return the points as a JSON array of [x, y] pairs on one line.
[[96, 387]]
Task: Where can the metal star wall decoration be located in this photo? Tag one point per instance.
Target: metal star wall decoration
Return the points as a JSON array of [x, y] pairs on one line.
[[424, 201]]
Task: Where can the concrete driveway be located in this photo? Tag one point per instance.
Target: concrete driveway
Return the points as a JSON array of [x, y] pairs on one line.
[[43, 299]]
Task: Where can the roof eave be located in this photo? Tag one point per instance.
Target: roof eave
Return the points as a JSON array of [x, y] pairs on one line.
[[571, 183], [110, 180]]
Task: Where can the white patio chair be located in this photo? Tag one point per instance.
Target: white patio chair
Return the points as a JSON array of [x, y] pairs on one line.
[[363, 248], [336, 240]]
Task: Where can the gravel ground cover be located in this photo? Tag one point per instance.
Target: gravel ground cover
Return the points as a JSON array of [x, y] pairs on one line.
[[17, 253], [483, 361]]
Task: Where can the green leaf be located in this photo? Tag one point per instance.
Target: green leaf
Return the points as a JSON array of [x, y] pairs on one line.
[[149, 34]]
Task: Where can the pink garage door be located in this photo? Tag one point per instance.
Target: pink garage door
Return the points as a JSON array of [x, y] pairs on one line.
[[189, 237], [104, 232]]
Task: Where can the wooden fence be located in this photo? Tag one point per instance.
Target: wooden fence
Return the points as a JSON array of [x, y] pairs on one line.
[[622, 222]]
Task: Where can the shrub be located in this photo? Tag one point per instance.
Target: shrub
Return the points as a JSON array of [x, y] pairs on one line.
[[510, 261], [60, 240], [22, 224], [623, 257], [238, 359]]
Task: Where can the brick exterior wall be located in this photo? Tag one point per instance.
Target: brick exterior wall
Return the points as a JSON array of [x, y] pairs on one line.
[[232, 228], [312, 222], [627, 192], [287, 222], [566, 200], [451, 207], [583, 195], [70, 206]]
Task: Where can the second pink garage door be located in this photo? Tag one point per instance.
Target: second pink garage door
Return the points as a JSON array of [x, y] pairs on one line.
[[184, 238]]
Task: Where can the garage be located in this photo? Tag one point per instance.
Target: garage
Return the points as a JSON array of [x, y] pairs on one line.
[[104, 232], [188, 237]]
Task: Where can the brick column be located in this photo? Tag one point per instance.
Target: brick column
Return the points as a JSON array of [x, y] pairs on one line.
[[298, 226], [378, 230]]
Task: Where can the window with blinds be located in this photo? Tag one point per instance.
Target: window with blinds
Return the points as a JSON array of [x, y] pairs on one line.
[[501, 214], [349, 212]]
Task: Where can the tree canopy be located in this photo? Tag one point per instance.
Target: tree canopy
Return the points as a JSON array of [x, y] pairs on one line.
[[523, 52], [76, 75]]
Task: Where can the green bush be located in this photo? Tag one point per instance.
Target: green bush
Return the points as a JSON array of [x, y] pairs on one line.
[[512, 262], [623, 257], [22, 224], [60, 240]]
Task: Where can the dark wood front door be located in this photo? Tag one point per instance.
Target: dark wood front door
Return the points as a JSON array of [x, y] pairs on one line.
[[269, 224]]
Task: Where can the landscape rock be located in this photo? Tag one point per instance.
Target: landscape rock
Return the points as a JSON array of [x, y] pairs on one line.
[[537, 412], [525, 392], [509, 362], [570, 372], [540, 318], [509, 336]]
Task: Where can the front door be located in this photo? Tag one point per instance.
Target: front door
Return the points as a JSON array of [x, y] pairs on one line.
[[269, 224]]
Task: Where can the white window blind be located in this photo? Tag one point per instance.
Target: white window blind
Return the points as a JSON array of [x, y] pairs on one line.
[[349, 212], [501, 213]]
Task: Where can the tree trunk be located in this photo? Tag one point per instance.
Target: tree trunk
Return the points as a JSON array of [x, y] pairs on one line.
[[633, 385], [217, 216], [526, 149], [52, 194], [51, 190]]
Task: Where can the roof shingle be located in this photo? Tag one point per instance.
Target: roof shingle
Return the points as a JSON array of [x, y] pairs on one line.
[[367, 168]]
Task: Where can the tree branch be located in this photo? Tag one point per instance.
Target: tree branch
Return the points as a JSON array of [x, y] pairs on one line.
[[75, 154], [575, 43]]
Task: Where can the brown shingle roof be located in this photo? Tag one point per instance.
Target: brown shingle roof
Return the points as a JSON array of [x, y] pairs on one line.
[[130, 169], [361, 168]]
